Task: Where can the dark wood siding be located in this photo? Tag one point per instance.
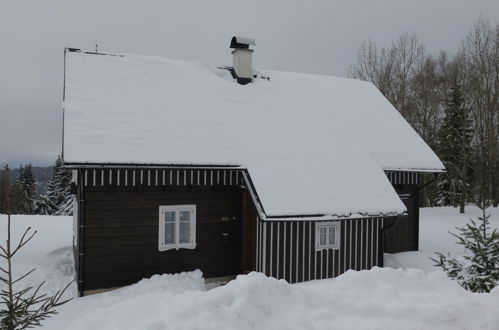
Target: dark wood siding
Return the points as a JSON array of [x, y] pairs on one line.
[[120, 236], [404, 234], [286, 249]]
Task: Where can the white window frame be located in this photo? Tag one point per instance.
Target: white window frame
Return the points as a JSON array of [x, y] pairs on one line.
[[177, 209], [337, 236]]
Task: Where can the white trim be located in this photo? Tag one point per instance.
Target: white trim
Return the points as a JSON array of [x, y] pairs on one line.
[[257, 224], [271, 250], [278, 247], [309, 249], [284, 253], [297, 251], [303, 255], [333, 262], [361, 243], [264, 257], [350, 225], [177, 208], [328, 225], [290, 252], [344, 224], [356, 245]]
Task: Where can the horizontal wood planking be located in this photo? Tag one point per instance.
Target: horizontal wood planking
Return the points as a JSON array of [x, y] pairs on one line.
[[286, 249], [121, 231]]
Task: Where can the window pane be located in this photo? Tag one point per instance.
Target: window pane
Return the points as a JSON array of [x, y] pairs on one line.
[[332, 235], [169, 216], [185, 215], [322, 233], [185, 232], [169, 232]]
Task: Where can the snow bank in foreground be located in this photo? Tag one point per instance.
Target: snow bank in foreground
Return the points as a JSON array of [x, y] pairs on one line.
[[376, 299]]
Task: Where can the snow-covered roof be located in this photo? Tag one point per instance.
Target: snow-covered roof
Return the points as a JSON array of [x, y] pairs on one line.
[[312, 144]]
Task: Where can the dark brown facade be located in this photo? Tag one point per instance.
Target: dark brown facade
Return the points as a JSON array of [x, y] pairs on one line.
[[286, 249], [117, 239], [116, 229], [403, 232]]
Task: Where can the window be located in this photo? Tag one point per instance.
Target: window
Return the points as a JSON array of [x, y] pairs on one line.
[[327, 235], [177, 227]]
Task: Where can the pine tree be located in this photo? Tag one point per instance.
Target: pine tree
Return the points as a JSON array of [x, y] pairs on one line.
[[455, 150], [43, 206], [3, 190], [478, 269], [58, 199], [26, 188]]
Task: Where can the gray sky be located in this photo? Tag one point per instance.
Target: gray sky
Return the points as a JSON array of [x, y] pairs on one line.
[[303, 36]]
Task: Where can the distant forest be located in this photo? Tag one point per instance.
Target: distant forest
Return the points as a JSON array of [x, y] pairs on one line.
[[43, 174], [36, 190], [452, 101]]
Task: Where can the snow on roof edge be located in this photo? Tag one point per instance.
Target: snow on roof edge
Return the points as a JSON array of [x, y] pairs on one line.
[[332, 217]]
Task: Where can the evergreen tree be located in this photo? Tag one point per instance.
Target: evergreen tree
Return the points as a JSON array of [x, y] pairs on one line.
[[43, 206], [478, 269], [58, 199], [26, 189], [455, 150], [3, 190]]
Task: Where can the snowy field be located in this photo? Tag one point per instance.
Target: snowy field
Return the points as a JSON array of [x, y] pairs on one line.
[[414, 296]]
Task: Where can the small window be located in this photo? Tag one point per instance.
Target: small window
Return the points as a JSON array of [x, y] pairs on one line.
[[177, 227], [327, 235]]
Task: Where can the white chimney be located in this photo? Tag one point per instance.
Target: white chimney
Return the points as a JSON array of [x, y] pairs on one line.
[[242, 59]]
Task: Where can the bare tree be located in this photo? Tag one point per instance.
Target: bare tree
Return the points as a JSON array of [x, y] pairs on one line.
[[479, 54], [392, 70]]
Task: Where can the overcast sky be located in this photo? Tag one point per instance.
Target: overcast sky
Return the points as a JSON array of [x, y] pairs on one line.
[[303, 36]]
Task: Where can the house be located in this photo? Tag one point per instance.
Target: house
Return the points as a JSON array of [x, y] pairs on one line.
[[180, 165]]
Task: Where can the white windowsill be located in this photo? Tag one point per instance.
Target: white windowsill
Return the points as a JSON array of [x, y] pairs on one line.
[[176, 246], [327, 247]]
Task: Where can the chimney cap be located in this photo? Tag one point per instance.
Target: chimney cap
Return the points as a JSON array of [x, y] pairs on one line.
[[241, 42]]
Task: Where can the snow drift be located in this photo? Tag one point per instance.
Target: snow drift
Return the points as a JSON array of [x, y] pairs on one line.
[[376, 299]]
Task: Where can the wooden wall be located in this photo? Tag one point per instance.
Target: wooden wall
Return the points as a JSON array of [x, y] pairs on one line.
[[119, 224], [118, 229], [404, 234], [286, 249]]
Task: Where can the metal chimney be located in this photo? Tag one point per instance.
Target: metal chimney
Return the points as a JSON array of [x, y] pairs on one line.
[[242, 59]]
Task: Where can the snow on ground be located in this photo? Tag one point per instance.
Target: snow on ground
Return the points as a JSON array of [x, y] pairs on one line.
[[382, 298], [435, 224], [50, 251]]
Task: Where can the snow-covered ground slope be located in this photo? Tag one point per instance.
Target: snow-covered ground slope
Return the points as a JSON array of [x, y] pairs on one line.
[[434, 227], [376, 299]]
